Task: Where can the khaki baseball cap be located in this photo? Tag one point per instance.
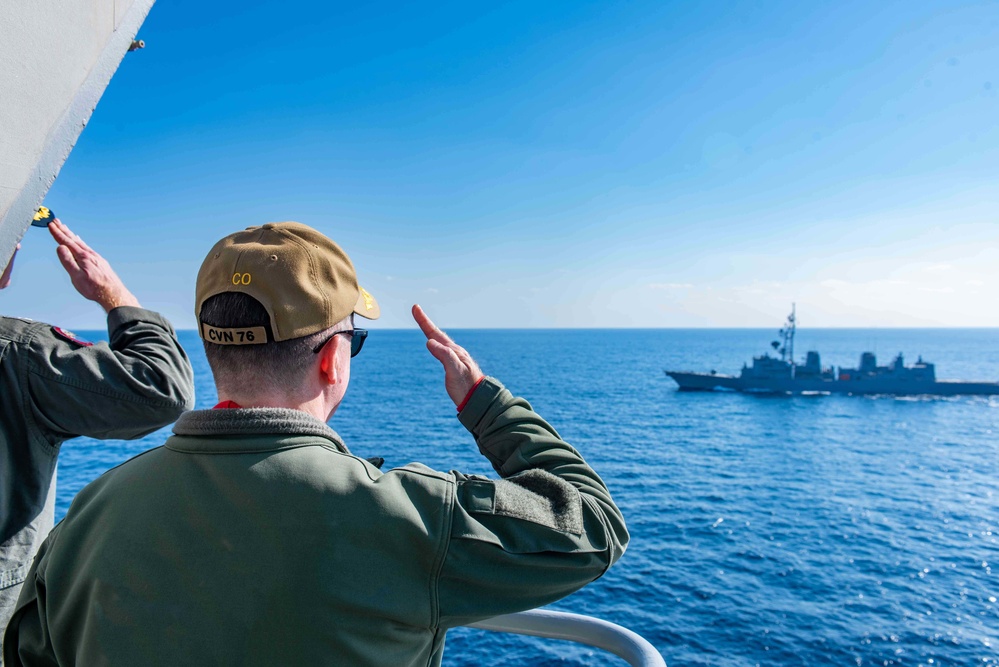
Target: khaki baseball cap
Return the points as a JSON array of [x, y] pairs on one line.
[[304, 281]]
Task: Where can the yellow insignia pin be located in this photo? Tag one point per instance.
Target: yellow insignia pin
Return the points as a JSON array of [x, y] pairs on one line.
[[43, 216], [369, 301]]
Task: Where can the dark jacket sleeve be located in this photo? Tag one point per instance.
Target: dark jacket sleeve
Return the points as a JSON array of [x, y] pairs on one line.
[[27, 640], [139, 381], [546, 529]]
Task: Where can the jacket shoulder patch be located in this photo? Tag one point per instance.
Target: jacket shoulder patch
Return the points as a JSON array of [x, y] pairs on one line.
[[540, 497], [71, 337]]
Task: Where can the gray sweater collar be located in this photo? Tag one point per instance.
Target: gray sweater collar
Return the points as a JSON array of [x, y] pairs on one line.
[[254, 421]]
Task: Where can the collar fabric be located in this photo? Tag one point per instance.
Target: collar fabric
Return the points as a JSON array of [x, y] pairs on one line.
[[251, 422]]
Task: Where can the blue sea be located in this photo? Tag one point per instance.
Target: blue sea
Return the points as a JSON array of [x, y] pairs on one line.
[[823, 530]]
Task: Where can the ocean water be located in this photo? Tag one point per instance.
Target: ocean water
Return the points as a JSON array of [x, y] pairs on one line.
[[829, 530]]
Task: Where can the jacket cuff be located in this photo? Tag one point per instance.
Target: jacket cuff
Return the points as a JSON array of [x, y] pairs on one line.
[[464, 402], [125, 315], [478, 403]]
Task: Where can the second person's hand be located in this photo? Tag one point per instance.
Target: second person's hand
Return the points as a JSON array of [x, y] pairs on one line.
[[90, 273]]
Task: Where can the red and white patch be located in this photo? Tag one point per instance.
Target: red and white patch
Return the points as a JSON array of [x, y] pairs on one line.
[[71, 337]]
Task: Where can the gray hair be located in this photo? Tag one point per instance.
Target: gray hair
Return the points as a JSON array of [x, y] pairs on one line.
[[277, 362]]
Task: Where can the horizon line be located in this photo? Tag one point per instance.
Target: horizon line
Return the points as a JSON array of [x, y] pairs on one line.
[[702, 328]]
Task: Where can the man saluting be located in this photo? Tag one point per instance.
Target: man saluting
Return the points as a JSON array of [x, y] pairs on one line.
[[255, 537], [55, 386]]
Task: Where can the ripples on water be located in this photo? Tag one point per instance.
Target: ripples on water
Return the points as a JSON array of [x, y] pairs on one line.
[[773, 531]]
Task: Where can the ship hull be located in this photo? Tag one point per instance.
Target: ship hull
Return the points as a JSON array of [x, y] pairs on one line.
[[883, 386]]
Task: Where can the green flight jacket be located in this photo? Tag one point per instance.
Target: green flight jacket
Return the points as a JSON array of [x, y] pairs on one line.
[[254, 537], [53, 387]]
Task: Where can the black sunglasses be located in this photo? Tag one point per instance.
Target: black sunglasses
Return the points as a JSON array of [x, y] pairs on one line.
[[357, 337]]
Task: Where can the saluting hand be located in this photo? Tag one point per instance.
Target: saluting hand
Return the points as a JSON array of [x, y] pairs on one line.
[[91, 274], [460, 370]]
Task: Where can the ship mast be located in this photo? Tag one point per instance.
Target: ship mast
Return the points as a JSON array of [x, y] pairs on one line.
[[786, 343], [789, 345]]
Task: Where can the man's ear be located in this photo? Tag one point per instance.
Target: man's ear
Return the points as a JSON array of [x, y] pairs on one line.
[[328, 370]]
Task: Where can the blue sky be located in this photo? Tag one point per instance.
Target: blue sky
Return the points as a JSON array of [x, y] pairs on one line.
[[558, 164]]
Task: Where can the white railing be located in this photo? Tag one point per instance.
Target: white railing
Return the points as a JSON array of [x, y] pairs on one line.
[[622, 642]]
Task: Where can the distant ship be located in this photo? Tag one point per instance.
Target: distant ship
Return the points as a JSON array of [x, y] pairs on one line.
[[781, 375]]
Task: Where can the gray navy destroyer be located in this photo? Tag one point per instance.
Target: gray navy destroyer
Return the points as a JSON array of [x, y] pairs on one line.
[[781, 375]]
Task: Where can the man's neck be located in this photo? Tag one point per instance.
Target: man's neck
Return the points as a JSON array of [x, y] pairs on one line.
[[316, 406]]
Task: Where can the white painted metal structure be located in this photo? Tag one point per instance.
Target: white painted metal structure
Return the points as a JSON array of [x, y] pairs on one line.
[[56, 59], [622, 642]]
